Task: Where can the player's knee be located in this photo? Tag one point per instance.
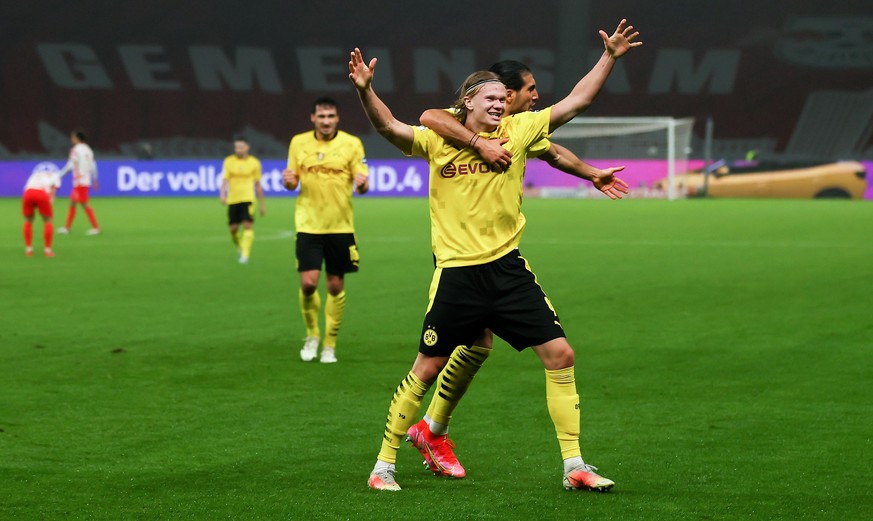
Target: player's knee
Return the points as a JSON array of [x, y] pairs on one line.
[[557, 355], [308, 288], [427, 369], [565, 357], [335, 287]]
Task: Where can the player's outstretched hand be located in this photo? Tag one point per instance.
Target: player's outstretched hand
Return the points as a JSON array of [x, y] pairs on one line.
[[621, 41], [606, 182], [360, 73], [493, 153], [223, 200]]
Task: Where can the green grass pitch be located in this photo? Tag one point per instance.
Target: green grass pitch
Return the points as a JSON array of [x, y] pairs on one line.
[[723, 348]]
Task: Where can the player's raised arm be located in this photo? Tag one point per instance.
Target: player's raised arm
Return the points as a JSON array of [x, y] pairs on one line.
[[398, 133], [615, 46], [450, 129], [604, 180]]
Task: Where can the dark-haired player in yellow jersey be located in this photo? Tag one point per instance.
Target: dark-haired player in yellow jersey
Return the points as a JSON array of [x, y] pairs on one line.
[[327, 164], [481, 281], [240, 179]]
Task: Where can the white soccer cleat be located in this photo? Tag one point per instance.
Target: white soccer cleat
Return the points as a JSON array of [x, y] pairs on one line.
[[583, 477], [328, 355], [310, 349], [383, 479], [63, 230], [92, 231], [243, 260]]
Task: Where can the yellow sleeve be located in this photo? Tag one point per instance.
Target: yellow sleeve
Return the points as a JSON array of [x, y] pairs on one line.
[[359, 160], [292, 162], [257, 172], [539, 148], [224, 174], [531, 127], [421, 141]]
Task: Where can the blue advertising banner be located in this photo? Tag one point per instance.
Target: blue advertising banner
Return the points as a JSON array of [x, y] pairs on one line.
[[394, 178]]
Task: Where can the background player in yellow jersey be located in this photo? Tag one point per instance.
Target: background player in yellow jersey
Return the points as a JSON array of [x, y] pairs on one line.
[[240, 179], [481, 281], [430, 435], [327, 164]]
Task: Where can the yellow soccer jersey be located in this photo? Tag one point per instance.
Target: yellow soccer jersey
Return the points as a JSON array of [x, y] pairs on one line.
[[326, 170], [539, 148], [475, 212], [242, 174]]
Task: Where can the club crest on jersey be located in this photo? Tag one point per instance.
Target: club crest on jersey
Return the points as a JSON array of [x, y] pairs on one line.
[[430, 337]]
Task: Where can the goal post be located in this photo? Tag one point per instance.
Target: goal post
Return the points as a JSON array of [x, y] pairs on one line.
[[659, 146]]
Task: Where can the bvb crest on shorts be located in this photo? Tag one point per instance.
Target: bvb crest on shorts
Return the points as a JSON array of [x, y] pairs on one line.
[[430, 337]]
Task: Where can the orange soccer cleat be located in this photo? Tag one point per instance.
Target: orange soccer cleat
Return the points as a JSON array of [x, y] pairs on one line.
[[437, 451]]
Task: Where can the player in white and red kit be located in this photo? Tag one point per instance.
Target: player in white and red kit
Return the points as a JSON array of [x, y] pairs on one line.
[[39, 194], [84, 169]]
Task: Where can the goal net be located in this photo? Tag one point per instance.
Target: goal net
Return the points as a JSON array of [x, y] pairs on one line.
[[653, 150]]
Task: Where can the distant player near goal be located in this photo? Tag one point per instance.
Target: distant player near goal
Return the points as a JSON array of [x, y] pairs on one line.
[[328, 164], [39, 195], [81, 162], [240, 179]]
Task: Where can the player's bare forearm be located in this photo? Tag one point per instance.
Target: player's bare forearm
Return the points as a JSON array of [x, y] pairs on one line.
[[260, 192], [380, 116], [222, 193], [397, 133], [587, 89], [583, 94], [566, 161], [604, 180], [450, 129], [447, 126]]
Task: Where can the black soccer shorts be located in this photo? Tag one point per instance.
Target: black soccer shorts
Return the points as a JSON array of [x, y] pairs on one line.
[[240, 212], [338, 252], [502, 295]]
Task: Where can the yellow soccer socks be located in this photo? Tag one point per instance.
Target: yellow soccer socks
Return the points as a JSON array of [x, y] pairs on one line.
[[333, 317], [563, 403], [310, 305], [245, 243], [401, 415], [234, 236], [451, 385]]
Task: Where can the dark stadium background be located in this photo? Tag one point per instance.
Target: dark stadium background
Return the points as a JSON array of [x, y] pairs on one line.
[[751, 66]]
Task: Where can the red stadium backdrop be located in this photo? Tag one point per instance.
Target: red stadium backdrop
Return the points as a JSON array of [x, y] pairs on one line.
[[185, 76]]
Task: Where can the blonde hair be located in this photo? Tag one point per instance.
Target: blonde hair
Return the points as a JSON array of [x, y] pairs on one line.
[[471, 86]]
